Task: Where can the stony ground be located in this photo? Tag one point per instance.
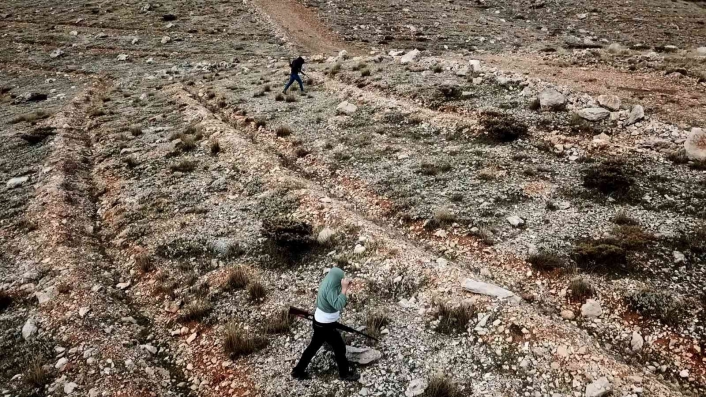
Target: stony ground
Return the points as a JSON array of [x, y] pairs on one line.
[[154, 178]]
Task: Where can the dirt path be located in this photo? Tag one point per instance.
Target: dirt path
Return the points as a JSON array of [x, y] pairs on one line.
[[302, 27], [674, 98]]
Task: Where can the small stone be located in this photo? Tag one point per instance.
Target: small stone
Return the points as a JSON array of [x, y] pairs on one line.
[[122, 286], [325, 235], [611, 102], [122, 57], [56, 53], [567, 314], [599, 388], [551, 99], [362, 355], [359, 249], [515, 221], [73, 33], [593, 114], [695, 145], [29, 329], [149, 348], [416, 388], [409, 57], [636, 342], [61, 363], [701, 51], [591, 309], [679, 257], [475, 65], [562, 351], [636, 114], [166, 39], [346, 108], [684, 373], [69, 387], [17, 182], [191, 338], [46, 295], [83, 311]]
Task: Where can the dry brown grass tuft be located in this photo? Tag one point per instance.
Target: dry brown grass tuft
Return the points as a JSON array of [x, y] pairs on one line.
[[279, 323], [444, 216], [546, 261], [35, 375], [144, 262], [283, 130], [257, 291], [236, 344], [238, 278], [183, 166], [31, 117], [580, 289], [375, 322], [5, 300], [440, 386], [195, 311], [454, 319], [622, 218], [215, 147]]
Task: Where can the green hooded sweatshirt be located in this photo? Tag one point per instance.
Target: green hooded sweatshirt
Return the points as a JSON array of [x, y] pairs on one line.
[[330, 299]]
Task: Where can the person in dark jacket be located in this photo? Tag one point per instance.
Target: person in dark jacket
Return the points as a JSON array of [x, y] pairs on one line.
[[296, 66], [330, 301]]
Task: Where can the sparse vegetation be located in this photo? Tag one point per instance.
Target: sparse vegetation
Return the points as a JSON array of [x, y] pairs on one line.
[[5, 300], [601, 255], [195, 311], [36, 375], [131, 161], [144, 262], [580, 289], [440, 386], [658, 305], [290, 98], [31, 117], [279, 323], [183, 166], [444, 216], [238, 278], [609, 178], [501, 127], [257, 291], [375, 322], [622, 218], [283, 130], [454, 319], [237, 343], [135, 130], [279, 97], [546, 261], [365, 73], [335, 69], [432, 169]]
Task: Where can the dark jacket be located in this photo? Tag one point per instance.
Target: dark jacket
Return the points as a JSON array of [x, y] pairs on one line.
[[296, 65]]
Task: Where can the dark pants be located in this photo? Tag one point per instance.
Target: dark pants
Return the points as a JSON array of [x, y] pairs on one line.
[[295, 77], [325, 333]]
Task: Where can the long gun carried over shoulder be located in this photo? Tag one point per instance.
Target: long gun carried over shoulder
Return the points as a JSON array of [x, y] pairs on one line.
[[293, 311]]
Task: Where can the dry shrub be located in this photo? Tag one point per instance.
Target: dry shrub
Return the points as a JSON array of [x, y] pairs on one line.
[[260, 123], [238, 278], [144, 262], [601, 255], [659, 305], [454, 319], [335, 69], [135, 130], [546, 261], [622, 218], [610, 178], [365, 73], [501, 127], [580, 289], [440, 386], [432, 169], [237, 344], [444, 216], [375, 322], [257, 291], [30, 117], [35, 374], [280, 323], [283, 130], [290, 98], [195, 311], [188, 142], [215, 147], [131, 161]]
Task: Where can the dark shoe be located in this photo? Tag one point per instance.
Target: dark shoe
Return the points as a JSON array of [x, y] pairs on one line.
[[300, 375], [351, 377]]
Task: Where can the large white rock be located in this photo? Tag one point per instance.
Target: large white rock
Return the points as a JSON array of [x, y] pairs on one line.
[[599, 388], [593, 114], [611, 102], [46, 295], [410, 56], [695, 145], [636, 114], [591, 309], [701, 51], [346, 108], [17, 182], [475, 65], [479, 287], [362, 355], [29, 329], [515, 221], [550, 98], [416, 388], [636, 342], [69, 387]]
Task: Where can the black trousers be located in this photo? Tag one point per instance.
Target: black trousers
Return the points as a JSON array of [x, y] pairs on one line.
[[325, 333]]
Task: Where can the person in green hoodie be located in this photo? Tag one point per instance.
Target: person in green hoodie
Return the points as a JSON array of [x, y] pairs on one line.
[[330, 301]]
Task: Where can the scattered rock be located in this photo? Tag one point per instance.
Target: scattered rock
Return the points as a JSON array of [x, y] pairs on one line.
[[29, 329], [149, 348], [122, 57], [69, 387], [567, 314], [591, 309], [551, 99], [362, 355], [416, 388], [359, 249], [346, 108], [475, 65], [684, 373], [122, 286], [325, 235], [166, 39], [701, 51], [593, 114], [17, 182], [636, 114], [611, 102], [515, 221], [61, 363], [410, 56], [599, 388], [679, 257], [56, 53], [636, 342], [83, 311], [695, 145], [479, 287], [46, 295]]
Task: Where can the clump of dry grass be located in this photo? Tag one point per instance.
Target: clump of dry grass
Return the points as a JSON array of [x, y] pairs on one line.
[[5, 300], [238, 278], [657, 304], [31, 117], [432, 169], [195, 310], [35, 374], [257, 291], [444, 216], [365, 73], [454, 319], [335, 69], [260, 123], [135, 130], [290, 98], [580, 289], [237, 344], [546, 261], [215, 147], [131, 161], [279, 323], [608, 178], [375, 322], [144, 262], [441, 386], [622, 218], [501, 127], [283, 130], [279, 97], [183, 166]]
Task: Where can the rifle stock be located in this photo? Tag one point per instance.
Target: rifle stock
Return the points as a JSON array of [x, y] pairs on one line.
[[293, 311]]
